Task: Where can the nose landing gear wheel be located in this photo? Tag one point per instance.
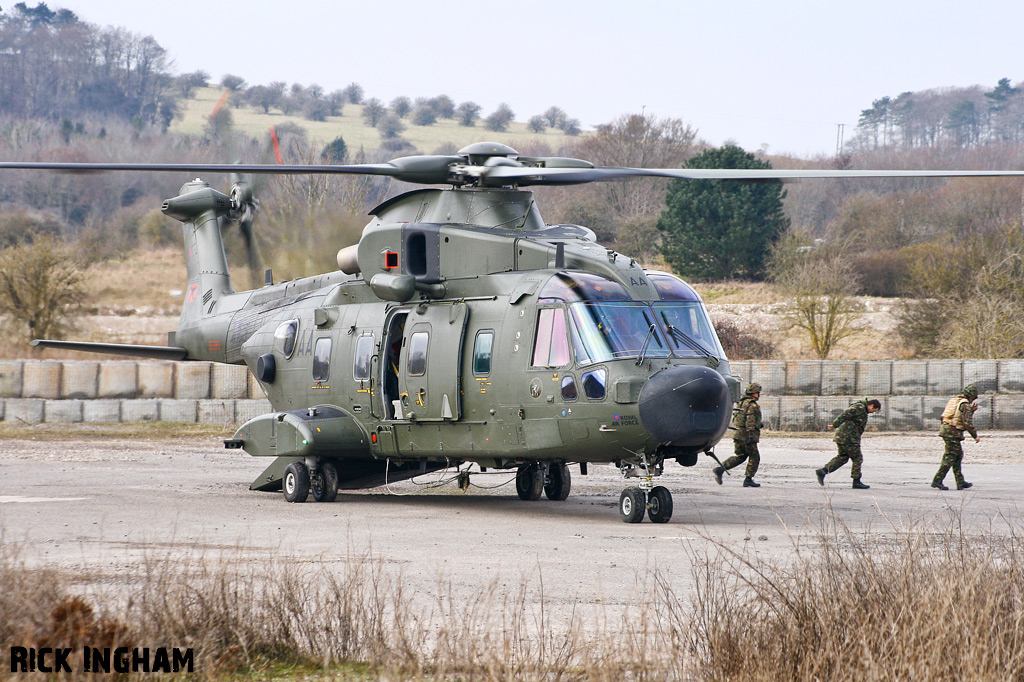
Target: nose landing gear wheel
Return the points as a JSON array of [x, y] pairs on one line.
[[632, 505], [324, 483], [659, 505], [529, 482], [296, 482]]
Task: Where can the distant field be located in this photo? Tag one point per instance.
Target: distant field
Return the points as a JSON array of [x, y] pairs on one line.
[[355, 132]]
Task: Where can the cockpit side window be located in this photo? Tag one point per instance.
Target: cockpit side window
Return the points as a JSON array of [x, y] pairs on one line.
[[551, 348], [594, 384], [284, 337]]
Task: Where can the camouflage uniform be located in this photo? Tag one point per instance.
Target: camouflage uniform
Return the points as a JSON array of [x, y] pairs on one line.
[[747, 424], [849, 427], [953, 435]]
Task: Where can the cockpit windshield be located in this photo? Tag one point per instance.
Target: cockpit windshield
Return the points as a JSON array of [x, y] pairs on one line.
[[605, 323], [603, 331]]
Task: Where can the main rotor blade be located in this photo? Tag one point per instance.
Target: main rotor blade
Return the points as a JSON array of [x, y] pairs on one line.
[[507, 175], [421, 169]]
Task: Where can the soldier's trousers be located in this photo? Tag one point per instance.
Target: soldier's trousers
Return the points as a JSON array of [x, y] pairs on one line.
[[745, 450], [848, 452], [952, 456]]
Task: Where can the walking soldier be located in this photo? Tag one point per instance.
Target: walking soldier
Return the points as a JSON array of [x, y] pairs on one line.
[[849, 427], [747, 423], [956, 418]]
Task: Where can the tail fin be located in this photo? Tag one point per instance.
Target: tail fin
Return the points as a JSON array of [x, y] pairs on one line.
[[198, 207]]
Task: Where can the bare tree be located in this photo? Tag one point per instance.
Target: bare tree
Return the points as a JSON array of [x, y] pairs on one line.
[[821, 285], [41, 287]]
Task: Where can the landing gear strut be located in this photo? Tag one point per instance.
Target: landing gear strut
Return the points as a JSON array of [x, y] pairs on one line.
[[656, 500]]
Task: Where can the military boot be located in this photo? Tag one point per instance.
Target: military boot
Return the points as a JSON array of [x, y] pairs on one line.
[[963, 486], [748, 482], [857, 485], [937, 484], [717, 473], [820, 473]]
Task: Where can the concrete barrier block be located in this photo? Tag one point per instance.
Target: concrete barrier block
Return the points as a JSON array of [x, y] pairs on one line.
[[931, 412], [192, 380], [156, 379], [771, 374], [1007, 412], [910, 377], [10, 378], [797, 414], [256, 391], [118, 380], [839, 378], [23, 410], [179, 410], [229, 381], [62, 411], [140, 410], [250, 409], [945, 377], [41, 379], [79, 380], [216, 412], [982, 373], [803, 377], [827, 409], [769, 413], [905, 413], [874, 378], [1010, 376], [101, 411]]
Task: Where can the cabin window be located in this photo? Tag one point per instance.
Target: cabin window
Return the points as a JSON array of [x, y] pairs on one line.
[[284, 337], [322, 359], [482, 353], [364, 354], [593, 384], [418, 353], [569, 391], [551, 349]]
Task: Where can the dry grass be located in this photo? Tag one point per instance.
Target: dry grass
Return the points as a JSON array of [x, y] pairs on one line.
[[146, 281], [930, 603], [103, 431], [921, 604]]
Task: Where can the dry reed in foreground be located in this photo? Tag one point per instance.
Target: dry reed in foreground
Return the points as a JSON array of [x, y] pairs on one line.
[[921, 604], [929, 603]]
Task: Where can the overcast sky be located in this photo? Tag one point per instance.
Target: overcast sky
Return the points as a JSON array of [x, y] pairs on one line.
[[781, 74]]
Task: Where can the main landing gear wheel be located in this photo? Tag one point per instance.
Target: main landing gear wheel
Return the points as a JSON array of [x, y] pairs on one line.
[[529, 482], [632, 505], [324, 483], [659, 505], [296, 482], [559, 482]]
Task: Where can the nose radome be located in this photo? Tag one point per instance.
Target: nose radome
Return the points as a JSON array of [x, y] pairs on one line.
[[686, 406]]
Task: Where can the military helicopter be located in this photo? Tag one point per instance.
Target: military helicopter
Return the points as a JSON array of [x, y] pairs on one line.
[[460, 330]]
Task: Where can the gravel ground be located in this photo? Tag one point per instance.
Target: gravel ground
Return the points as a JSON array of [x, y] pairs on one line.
[[98, 506]]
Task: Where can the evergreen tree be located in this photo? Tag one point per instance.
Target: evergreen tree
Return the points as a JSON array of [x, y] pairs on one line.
[[715, 229]]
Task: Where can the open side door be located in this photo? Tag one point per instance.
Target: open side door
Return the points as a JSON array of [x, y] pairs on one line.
[[430, 375]]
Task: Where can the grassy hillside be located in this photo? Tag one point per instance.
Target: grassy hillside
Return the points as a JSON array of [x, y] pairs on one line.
[[350, 126]]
